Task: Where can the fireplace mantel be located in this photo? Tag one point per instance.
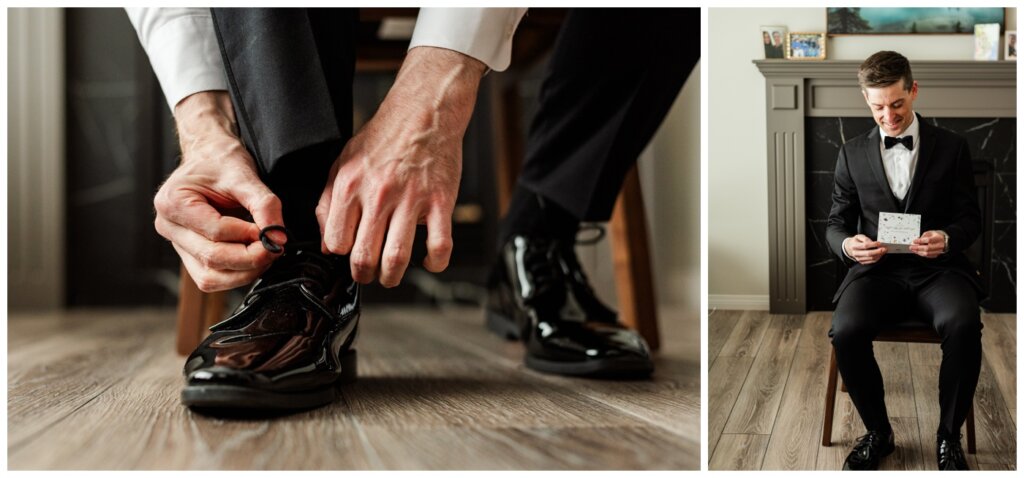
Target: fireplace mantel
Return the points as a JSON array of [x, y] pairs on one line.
[[795, 90]]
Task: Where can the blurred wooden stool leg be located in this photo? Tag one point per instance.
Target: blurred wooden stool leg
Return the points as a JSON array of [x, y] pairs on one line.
[[190, 314], [632, 259], [197, 311]]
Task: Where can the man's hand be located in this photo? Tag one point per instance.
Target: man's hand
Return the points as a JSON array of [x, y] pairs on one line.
[[216, 176], [931, 244], [864, 250], [402, 169]]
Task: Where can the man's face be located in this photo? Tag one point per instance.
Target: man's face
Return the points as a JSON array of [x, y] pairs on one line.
[[892, 106], [778, 37]]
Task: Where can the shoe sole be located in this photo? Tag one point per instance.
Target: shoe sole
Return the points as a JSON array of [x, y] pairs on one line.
[[234, 398], [609, 368]]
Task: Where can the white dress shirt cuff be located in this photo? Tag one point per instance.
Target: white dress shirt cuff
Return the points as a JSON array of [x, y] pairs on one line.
[[844, 249], [182, 48], [482, 33]]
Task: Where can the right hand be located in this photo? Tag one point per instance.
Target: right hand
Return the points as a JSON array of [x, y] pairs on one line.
[[216, 175], [864, 250]]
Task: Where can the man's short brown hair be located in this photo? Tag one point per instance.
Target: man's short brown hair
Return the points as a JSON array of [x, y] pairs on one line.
[[883, 69]]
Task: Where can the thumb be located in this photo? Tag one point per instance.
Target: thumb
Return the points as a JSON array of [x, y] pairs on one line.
[[264, 206]]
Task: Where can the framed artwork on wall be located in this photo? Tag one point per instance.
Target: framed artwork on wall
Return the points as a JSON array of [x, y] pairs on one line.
[[887, 21]]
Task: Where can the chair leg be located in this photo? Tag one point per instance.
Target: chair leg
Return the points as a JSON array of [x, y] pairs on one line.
[[830, 401], [190, 314], [972, 447], [197, 311], [631, 256]]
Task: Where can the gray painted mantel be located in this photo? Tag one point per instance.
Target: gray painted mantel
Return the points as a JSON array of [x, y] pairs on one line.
[[799, 89]]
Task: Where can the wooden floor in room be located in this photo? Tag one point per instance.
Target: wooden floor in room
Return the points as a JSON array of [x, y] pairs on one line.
[[100, 390], [766, 392]]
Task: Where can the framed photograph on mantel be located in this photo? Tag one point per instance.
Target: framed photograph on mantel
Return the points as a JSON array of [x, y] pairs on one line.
[[774, 40], [1010, 52], [887, 21], [805, 46]]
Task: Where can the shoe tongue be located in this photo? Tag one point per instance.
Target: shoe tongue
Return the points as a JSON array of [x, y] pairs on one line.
[[316, 271]]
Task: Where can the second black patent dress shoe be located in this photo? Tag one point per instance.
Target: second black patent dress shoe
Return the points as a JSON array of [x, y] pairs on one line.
[[869, 451], [287, 346], [537, 293], [950, 454]]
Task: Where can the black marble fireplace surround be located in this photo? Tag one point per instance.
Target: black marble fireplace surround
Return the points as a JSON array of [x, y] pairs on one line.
[[994, 149]]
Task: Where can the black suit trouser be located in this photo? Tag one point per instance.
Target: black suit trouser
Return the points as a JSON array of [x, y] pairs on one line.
[[892, 293], [612, 77]]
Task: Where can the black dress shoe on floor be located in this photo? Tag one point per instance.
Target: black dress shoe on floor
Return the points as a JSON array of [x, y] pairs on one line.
[[287, 346], [869, 451], [537, 293], [950, 454]]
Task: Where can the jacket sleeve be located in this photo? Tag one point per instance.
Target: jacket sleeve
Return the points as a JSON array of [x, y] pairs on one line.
[[182, 48], [482, 33], [845, 213], [966, 224]]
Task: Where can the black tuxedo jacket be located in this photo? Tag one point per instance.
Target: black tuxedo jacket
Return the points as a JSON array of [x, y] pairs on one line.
[[941, 191]]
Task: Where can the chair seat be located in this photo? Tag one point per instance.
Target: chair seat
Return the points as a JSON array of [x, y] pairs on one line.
[[911, 330]]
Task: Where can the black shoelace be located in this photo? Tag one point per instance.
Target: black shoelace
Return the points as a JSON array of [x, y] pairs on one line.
[[867, 443], [951, 453]]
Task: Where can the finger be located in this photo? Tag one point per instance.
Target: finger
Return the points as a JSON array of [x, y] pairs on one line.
[[439, 238], [212, 280], [398, 247], [215, 255], [343, 221], [192, 210], [366, 248], [264, 206]]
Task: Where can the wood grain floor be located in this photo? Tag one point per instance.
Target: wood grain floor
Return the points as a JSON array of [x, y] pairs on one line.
[[766, 390], [99, 390]]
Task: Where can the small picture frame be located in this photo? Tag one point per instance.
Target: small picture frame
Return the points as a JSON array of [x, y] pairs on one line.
[[1010, 50], [773, 38], [805, 46], [986, 41]]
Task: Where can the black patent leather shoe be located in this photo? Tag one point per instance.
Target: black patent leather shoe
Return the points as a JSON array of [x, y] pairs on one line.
[[869, 451], [537, 293], [950, 454], [288, 346]]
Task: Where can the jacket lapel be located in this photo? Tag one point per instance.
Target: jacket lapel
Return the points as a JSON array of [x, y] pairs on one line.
[[874, 156], [924, 157]]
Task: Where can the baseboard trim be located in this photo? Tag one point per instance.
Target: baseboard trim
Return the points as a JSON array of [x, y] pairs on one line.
[[738, 302]]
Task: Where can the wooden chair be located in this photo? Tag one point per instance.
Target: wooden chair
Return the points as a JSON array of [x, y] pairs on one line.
[[628, 228], [912, 332]]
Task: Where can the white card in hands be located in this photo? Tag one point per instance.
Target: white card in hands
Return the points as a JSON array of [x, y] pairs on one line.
[[896, 231]]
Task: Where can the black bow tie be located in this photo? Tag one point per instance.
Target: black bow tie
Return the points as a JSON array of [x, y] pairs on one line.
[[906, 141]]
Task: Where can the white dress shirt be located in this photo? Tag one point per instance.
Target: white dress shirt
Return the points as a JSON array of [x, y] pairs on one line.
[[900, 162], [183, 50]]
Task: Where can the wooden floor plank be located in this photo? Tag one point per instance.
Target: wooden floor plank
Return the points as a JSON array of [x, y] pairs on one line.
[[746, 337], [422, 393], [725, 379], [910, 372], [720, 325], [759, 398], [793, 444], [999, 346], [739, 452]]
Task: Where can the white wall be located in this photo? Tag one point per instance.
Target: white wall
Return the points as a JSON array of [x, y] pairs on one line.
[[737, 168]]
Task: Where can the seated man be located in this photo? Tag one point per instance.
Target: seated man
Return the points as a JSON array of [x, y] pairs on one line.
[[905, 166], [262, 100]]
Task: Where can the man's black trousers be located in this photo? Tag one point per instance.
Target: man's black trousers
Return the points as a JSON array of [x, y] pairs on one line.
[[899, 289]]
